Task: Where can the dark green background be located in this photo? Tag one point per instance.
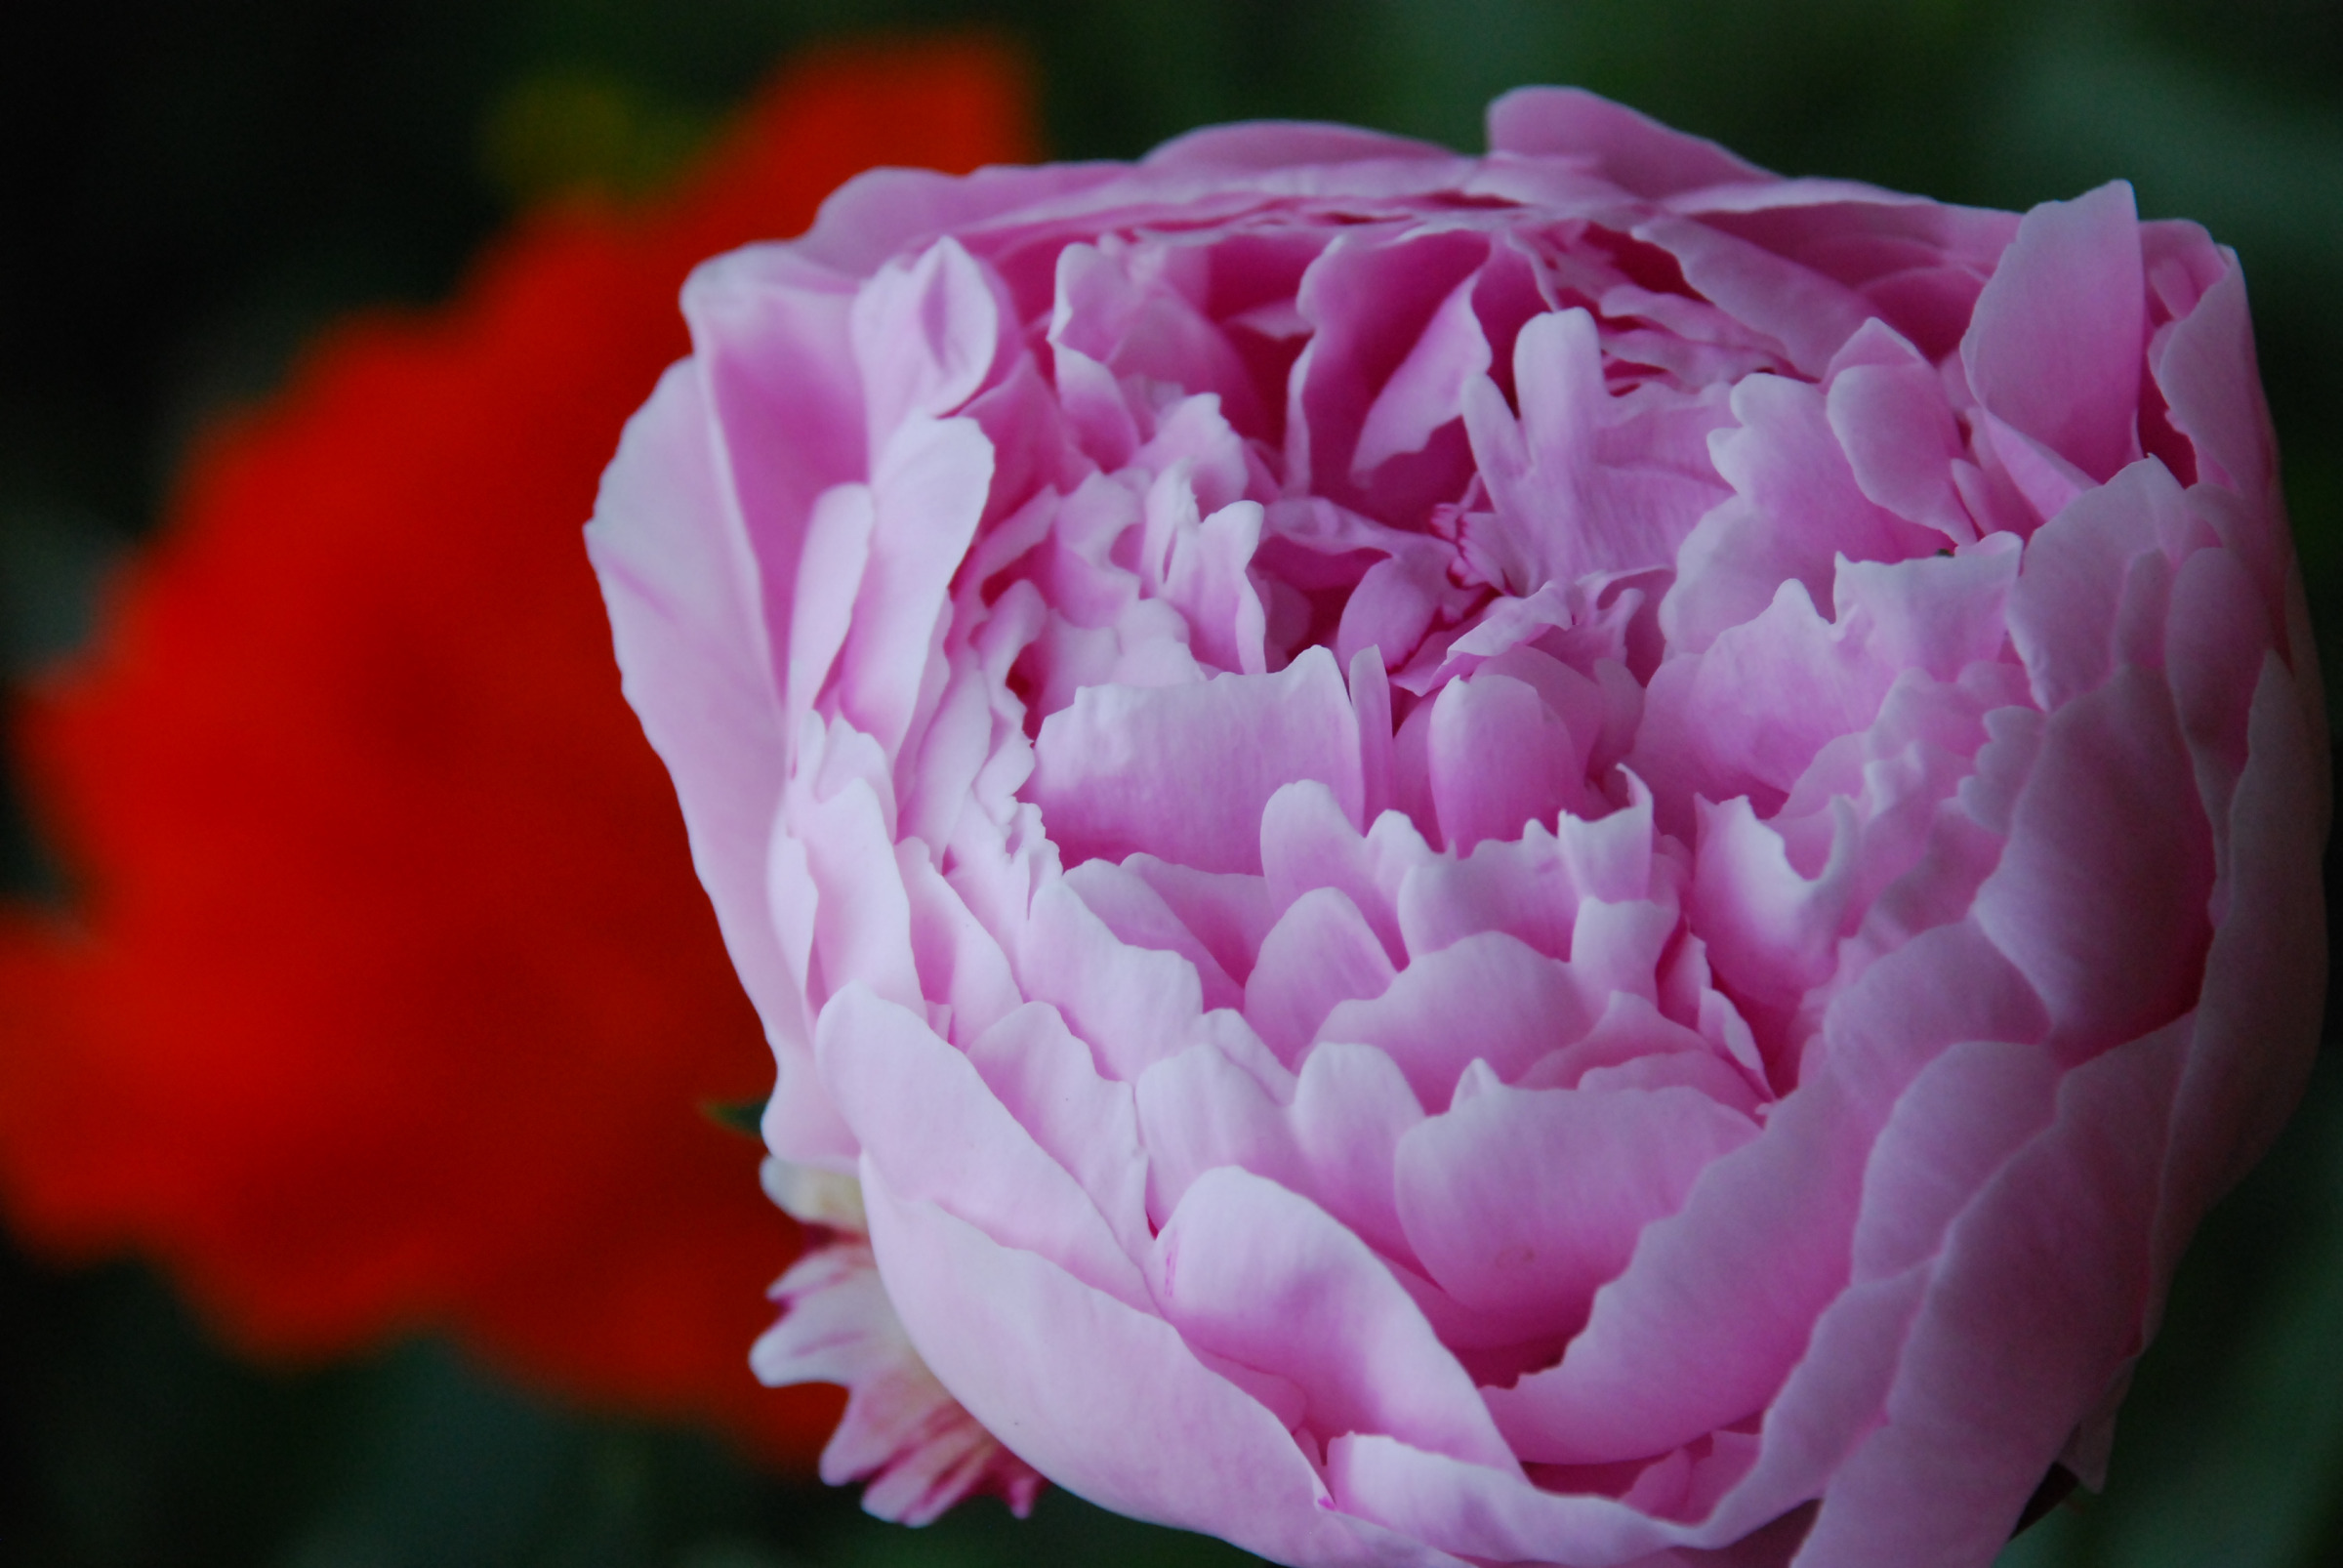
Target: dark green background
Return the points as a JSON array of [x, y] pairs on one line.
[[187, 190]]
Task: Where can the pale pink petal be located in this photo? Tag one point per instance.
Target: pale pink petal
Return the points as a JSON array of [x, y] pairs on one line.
[[902, 1429], [1583, 482], [961, 968], [1810, 315], [1240, 148], [2034, 1305], [1427, 390], [862, 914], [1320, 953], [1044, 1077], [1183, 772], [1248, 1270], [2112, 937], [2206, 371], [927, 1120], [1797, 510], [2215, 642], [2257, 1018], [883, 213], [697, 663], [928, 492], [1308, 843], [1634, 152], [925, 331], [1106, 1400], [1522, 886], [1132, 1006], [1900, 439], [1490, 997], [1228, 912], [1521, 1202], [1712, 1311], [1968, 1112], [1371, 297], [1502, 759], [1139, 916], [2057, 342], [1716, 1307], [1350, 1110]]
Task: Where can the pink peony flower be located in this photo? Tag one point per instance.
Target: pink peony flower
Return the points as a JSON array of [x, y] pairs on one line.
[[1572, 856]]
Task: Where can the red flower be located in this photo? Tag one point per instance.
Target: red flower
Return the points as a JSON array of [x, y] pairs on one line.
[[392, 998]]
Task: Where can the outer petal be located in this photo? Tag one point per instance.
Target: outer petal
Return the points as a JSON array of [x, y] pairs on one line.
[[1634, 151], [1106, 1400], [678, 578], [1248, 1270], [2034, 1306], [926, 1118], [2257, 1019], [2113, 937]]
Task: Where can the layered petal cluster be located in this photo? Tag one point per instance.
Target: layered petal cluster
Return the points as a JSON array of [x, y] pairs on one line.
[[389, 999], [1577, 856]]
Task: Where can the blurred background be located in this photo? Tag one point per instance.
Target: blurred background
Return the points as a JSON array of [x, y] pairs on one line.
[[189, 192]]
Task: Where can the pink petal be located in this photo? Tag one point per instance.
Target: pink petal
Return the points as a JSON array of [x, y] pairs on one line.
[[1372, 297], [928, 491], [1520, 1006], [926, 330], [1183, 772], [1831, 1401], [1521, 886], [1796, 509], [1044, 1077], [862, 915], [673, 556], [1900, 437], [1500, 759], [1309, 843], [2113, 937], [2257, 1019], [1132, 1006], [880, 214], [960, 964], [1583, 481], [1968, 1111], [2206, 371], [2216, 638], [1106, 1400], [1716, 1305], [1427, 390], [2056, 344], [1350, 1110], [1139, 917], [1811, 315], [2034, 1305], [1521, 1202], [1228, 912], [1320, 953], [1284, 144], [927, 1120], [1248, 1270], [1634, 152]]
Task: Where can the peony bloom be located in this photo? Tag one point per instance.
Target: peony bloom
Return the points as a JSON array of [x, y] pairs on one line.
[[392, 999], [1574, 857]]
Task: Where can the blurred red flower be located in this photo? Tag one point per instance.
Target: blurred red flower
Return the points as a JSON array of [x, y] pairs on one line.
[[389, 998]]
